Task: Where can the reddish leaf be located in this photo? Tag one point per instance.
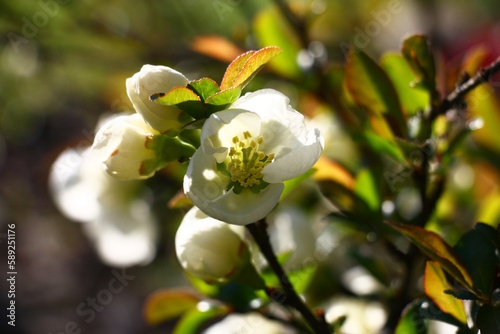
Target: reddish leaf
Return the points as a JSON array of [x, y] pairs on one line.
[[438, 250], [234, 69], [255, 63], [164, 305], [216, 47]]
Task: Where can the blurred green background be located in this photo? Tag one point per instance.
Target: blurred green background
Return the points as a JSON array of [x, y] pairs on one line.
[[63, 64]]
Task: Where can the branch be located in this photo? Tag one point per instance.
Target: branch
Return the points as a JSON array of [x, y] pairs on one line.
[[482, 76], [259, 233]]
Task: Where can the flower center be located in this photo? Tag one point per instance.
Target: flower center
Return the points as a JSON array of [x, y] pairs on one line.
[[246, 162]]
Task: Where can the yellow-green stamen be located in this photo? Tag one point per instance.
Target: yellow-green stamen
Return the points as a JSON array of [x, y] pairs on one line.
[[246, 162]]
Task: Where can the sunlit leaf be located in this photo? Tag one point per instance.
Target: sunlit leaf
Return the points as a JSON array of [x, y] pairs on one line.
[[478, 253], [216, 47], [271, 29], [254, 64], [234, 70], [373, 91], [183, 98], [290, 185], [412, 98], [381, 145], [438, 250], [367, 189], [192, 321], [417, 52], [435, 284], [327, 169], [411, 322], [204, 87], [223, 99], [164, 305]]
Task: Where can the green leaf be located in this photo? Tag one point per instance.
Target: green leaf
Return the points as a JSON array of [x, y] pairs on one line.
[[290, 185], [169, 149], [367, 189], [250, 277], [204, 87], [372, 90], [380, 145], [299, 277], [191, 322], [438, 250], [435, 284], [182, 98], [223, 99], [164, 305], [412, 98], [480, 259], [488, 319], [234, 69], [271, 28], [417, 52], [254, 64], [201, 286], [411, 322]]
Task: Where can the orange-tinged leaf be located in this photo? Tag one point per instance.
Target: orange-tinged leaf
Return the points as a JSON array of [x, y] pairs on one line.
[[255, 63], [327, 169], [216, 47], [438, 250], [435, 284], [234, 69], [164, 305]]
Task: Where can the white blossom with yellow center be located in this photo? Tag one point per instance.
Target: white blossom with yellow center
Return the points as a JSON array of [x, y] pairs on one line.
[[246, 154]]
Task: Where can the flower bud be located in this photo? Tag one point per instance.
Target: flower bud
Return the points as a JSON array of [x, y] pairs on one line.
[[210, 249], [121, 144], [157, 79]]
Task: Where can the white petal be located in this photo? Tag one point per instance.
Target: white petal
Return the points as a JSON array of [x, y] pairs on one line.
[[283, 127], [207, 189], [155, 79], [296, 162], [220, 129]]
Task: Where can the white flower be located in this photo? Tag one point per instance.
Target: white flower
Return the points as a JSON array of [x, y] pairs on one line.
[[246, 153], [363, 317], [122, 229], [121, 145], [156, 79], [210, 249], [250, 323]]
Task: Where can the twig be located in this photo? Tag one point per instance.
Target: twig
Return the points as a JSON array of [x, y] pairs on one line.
[[482, 76], [290, 297]]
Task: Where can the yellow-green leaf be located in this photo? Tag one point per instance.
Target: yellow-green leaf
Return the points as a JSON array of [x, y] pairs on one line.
[[417, 52], [372, 90], [412, 98], [435, 284], [164, 305], [271, 28]]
